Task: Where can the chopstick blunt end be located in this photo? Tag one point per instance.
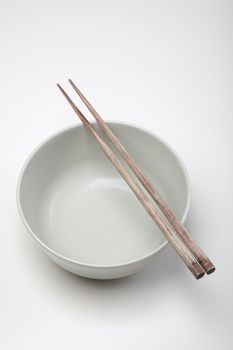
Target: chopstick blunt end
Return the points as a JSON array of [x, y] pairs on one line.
[[200, 275], [208, 267], [197, 271], [211, 270]]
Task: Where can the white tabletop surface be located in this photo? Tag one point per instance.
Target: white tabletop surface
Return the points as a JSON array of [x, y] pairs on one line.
[[167, 66]]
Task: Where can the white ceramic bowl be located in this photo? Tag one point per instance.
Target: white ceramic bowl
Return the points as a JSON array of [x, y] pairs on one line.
[[81, 212]]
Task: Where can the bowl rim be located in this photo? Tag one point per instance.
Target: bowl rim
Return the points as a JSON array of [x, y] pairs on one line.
[[76, 262]]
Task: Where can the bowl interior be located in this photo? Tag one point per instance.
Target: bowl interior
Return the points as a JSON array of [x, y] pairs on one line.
[[75, 202]]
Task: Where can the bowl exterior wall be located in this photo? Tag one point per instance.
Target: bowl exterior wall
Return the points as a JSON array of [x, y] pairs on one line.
[[103, 273]]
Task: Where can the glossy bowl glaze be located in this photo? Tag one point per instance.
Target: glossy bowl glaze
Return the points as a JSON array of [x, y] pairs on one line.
[[81, 212]]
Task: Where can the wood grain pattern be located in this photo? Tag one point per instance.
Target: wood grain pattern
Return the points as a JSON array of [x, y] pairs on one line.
[[175, 241], [151, 189]]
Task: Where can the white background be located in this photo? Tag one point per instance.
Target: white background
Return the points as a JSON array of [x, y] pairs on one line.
[[165, 65]]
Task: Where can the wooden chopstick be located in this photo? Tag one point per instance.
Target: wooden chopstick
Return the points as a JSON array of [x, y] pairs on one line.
[[179, 246], [151, 189]]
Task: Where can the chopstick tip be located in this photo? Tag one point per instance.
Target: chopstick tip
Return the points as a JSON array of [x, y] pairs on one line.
[[71, 82], [59, 87], [62, 90]]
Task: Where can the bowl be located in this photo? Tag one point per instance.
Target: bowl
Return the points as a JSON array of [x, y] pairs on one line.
[[80, 211]]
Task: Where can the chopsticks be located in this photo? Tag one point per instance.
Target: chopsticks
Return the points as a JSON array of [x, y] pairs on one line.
[[181, 240], [154, 193]]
